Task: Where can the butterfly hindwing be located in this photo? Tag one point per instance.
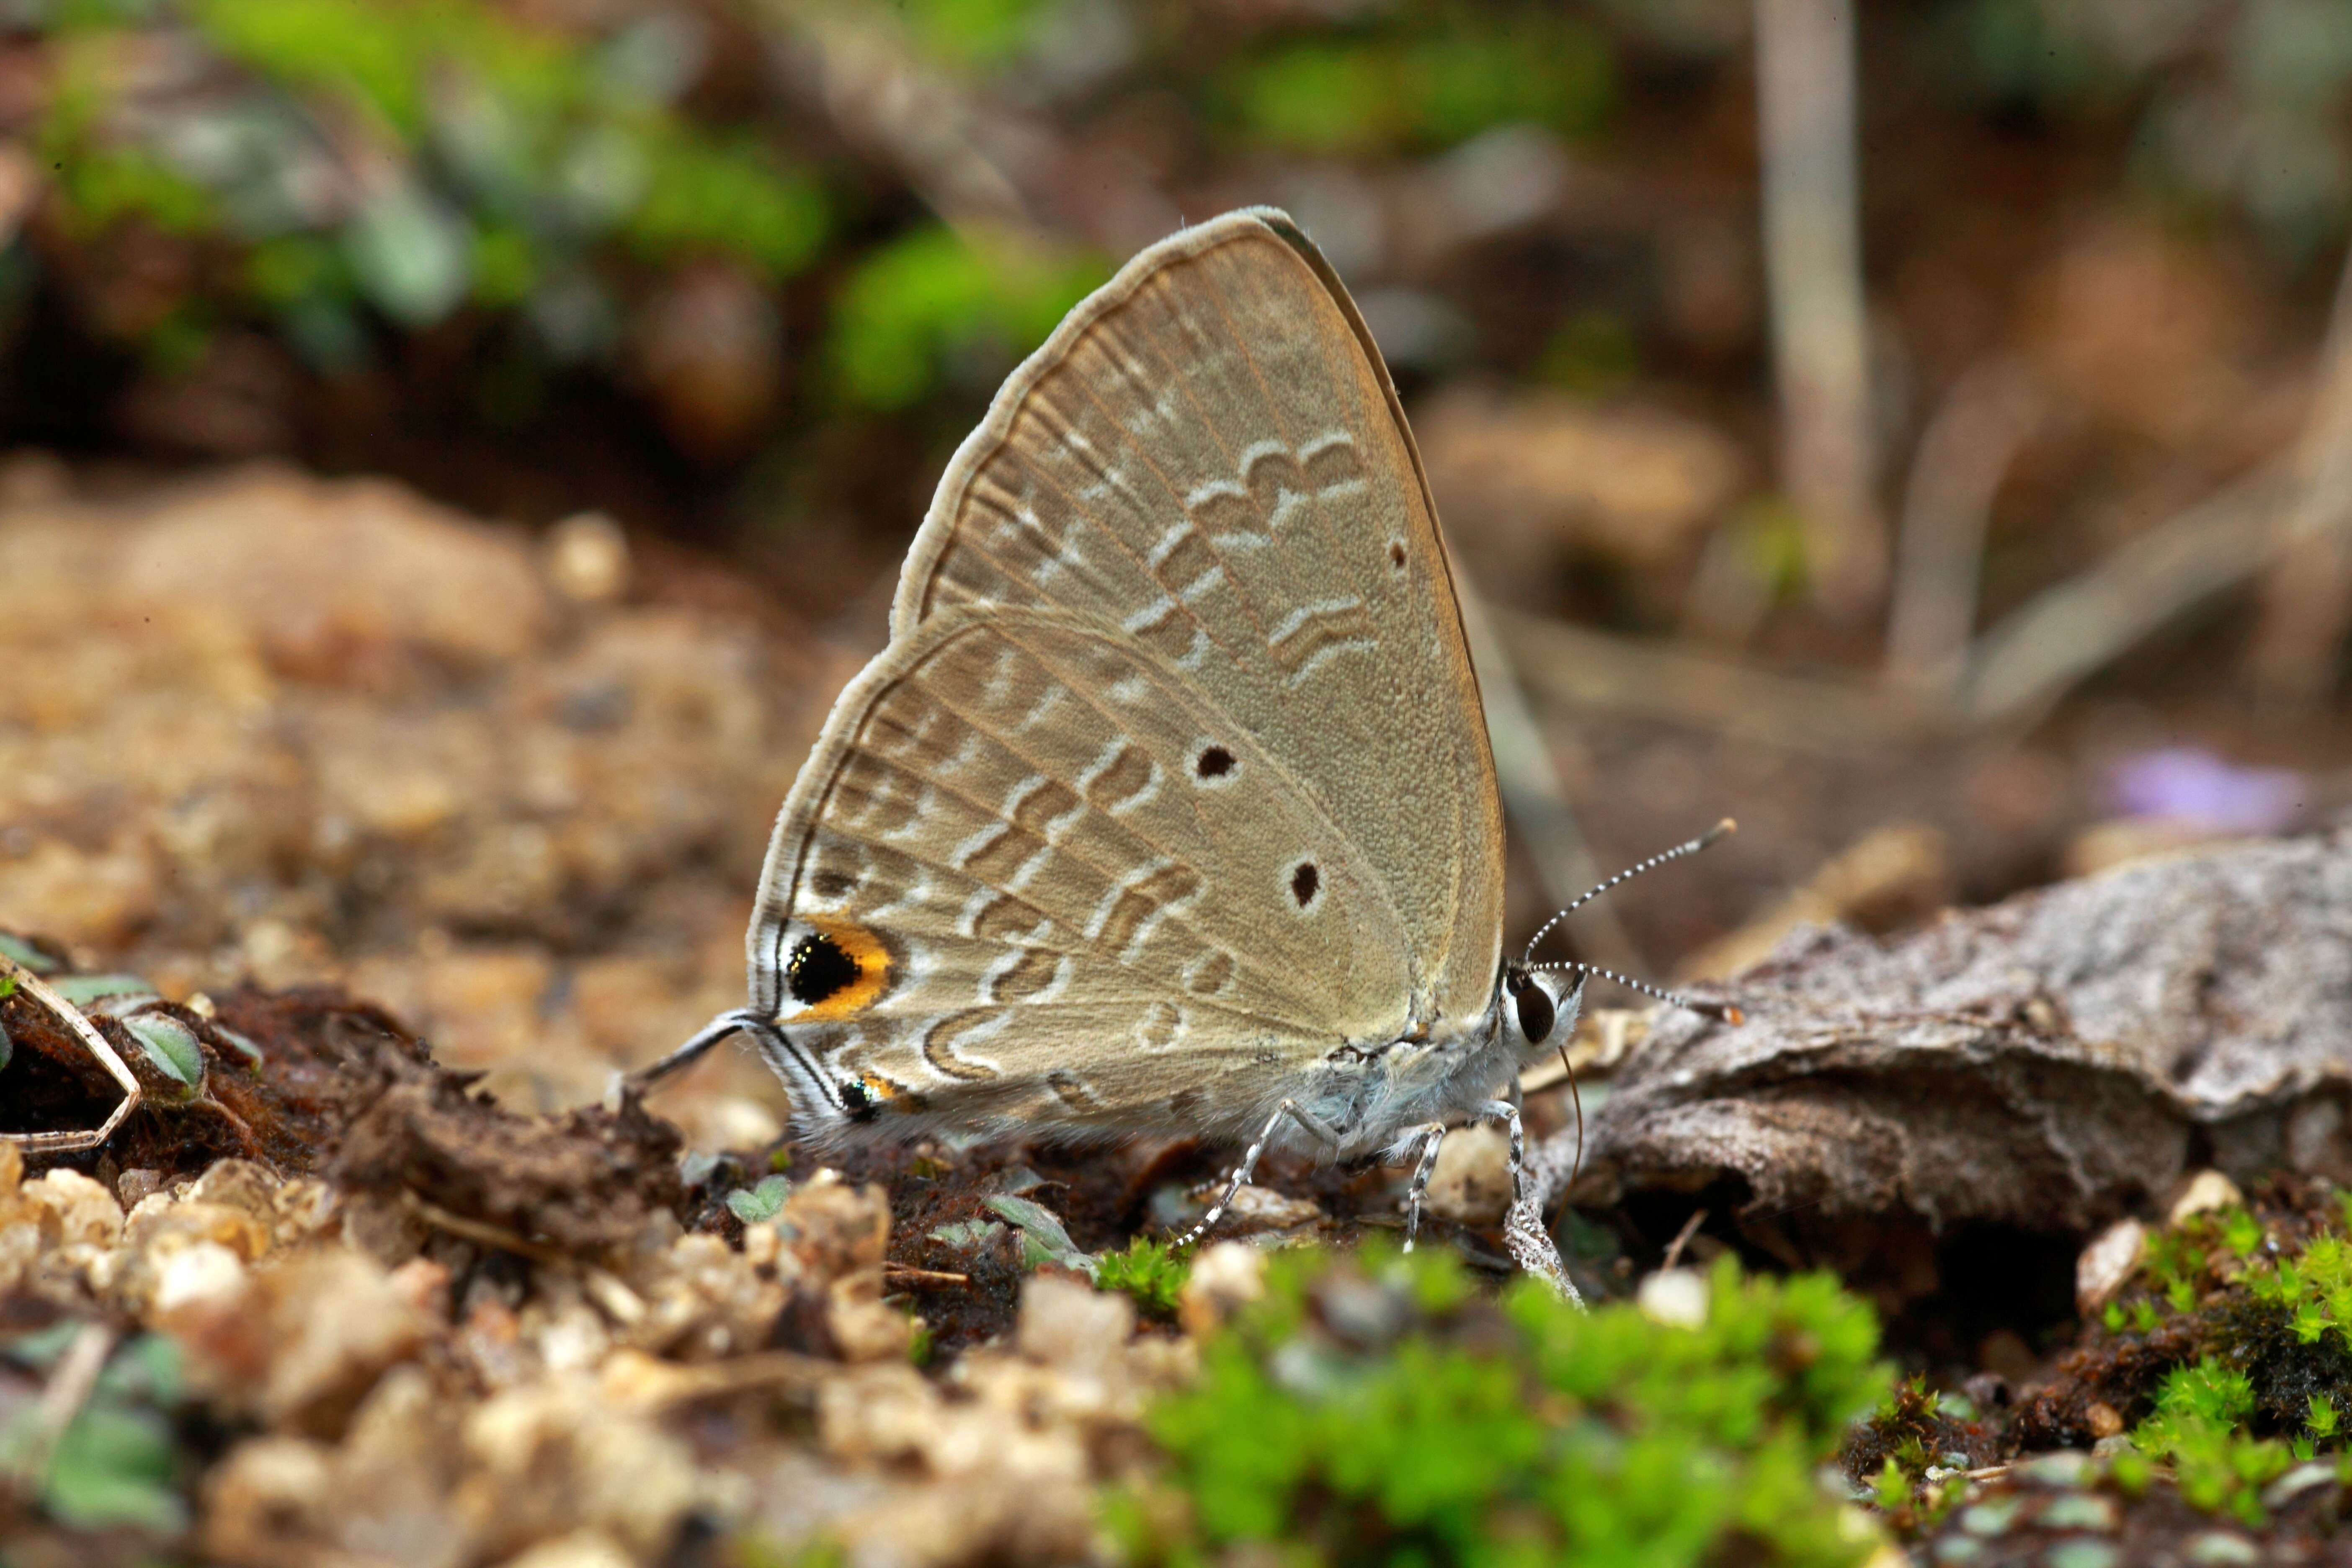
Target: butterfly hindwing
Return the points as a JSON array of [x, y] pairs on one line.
[[1028, 862]]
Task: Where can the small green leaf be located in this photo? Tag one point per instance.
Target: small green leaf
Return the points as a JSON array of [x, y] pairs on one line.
[[1041, 1228], [25, 954], [968, 1235], [171, 1045], [245, 1047], [754, 1206], [123, 990], [114, 1466]]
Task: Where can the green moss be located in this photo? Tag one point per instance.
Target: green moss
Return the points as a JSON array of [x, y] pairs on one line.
[[2262, 1324], [2201, 1414], [1378, 1409], [1152, 1273]]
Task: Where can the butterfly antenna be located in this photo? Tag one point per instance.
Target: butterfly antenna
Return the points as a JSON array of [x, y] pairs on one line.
[[1723, 829], [1722, 1012]]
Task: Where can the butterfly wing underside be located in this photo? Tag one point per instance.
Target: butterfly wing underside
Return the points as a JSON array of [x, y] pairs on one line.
[[1178, 624]]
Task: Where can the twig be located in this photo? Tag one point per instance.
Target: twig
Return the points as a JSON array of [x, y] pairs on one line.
[[987, 170], [1682, 1238], [92, 1041], [2307, 596], [1812, 256], [1578, 668], [923, 1278], [666, 1384], [1533, 794], [2021, 667], [1988, 413], [69, 1385], [608, 1290]]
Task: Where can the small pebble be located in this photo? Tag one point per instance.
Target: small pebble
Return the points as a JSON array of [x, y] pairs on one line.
[[2206, 1191], [2067, 1468], [2082, 1554], [1958, 1549], [588, 558], [1992, 1518], [1675, 1297], [2079, 1510], [2297, 1481], [2220, 1549]]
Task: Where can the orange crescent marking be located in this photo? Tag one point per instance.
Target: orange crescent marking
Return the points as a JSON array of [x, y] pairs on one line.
[[873, 963]]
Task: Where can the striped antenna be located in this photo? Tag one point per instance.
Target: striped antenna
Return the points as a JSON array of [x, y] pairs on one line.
[[1723, 829], [1724, 1012]]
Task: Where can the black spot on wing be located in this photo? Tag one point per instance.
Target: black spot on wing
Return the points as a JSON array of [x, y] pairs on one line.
[[817, 969]]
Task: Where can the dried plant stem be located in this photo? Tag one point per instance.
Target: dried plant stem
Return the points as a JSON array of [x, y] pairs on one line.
[[2021, 667], [2306, 595], [70, 1385], [1582, 668], [987, 170], [96, 1044], [1812, 256], [1533, 794], [1988, 413]]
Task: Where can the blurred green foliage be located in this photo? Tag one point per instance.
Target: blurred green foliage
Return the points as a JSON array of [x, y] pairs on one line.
[[1380, 1409], [116, 1466], [1419, 78], [415, 157], [2244, 104], [909, 311]]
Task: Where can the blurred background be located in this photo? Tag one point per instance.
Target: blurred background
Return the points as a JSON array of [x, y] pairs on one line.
[[1917, 430]]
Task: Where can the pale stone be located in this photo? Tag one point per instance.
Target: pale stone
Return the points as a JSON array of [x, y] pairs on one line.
[[2106, 1263], [1675, 1297]]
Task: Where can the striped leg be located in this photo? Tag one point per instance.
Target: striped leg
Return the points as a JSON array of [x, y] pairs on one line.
[[1432, 1134], [1523, 1227], [1297, 1112]]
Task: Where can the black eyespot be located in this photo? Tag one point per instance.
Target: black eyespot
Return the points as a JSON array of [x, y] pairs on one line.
[[1536, 1012], [1304, 881], [817, 969], [858, 1100], [1396, 557], [1215, 762]]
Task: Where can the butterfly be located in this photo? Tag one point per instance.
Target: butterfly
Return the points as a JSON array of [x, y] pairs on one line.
[[1168, 807]]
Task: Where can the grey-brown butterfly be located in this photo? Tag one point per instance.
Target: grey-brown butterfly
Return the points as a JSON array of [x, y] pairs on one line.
[[1169, 806]]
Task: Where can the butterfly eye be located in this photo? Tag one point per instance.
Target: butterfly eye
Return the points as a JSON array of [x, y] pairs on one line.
[[1536, 1012]]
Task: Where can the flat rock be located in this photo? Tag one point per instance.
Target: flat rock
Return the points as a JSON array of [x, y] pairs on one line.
[[2052, 1062]]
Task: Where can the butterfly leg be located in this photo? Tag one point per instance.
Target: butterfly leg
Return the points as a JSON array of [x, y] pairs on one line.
[[1432, 1135], [1523, 1227], [1297, 1112]]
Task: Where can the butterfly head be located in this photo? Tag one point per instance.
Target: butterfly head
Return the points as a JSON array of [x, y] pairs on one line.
[[1538, 1006]]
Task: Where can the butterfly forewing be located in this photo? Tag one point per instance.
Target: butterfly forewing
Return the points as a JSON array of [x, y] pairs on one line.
[[1175, 751], [1208, 455]]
